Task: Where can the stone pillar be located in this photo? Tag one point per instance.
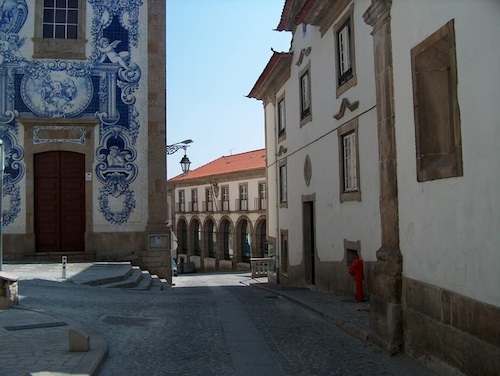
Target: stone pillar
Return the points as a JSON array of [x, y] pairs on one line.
[[157, 178], [385, 302], [157, 181]]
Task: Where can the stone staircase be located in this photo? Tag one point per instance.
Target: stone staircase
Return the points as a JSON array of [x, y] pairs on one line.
[[119, 275]]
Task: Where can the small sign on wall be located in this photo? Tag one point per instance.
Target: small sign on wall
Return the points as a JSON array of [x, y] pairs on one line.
[[88, 176], [159, 242]]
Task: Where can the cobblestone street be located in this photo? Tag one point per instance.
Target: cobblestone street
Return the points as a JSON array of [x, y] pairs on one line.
[[211, 324]]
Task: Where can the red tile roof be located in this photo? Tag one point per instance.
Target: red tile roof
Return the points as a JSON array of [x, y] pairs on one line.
[[248, 161], [293, 13]]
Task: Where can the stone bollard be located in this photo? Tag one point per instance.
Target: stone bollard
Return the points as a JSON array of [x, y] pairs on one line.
[[9, 294]]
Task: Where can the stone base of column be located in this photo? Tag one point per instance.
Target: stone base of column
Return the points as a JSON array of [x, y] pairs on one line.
[[385, 302], [386, 325]]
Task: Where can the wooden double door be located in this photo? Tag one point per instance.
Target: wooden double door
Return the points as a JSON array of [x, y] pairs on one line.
[[59, 193]]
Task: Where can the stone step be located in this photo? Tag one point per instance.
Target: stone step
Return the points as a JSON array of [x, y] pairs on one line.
[[101, 273], [131, 281], [145, 282], [119, 275], [158, 284]]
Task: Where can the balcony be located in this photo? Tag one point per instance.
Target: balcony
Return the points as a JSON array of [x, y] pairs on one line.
[[193, 206], [241, 205], [224, 205], [260, 204], [208, 206]]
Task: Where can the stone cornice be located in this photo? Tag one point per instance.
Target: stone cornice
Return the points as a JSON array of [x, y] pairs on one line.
[[273, 77], [220, 179], [323, 13]]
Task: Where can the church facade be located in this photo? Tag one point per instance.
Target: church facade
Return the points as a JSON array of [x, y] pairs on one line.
[[82, 120]]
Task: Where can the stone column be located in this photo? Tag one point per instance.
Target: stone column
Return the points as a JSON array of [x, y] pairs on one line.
[[157, 182], [158, 259], [385, 303]]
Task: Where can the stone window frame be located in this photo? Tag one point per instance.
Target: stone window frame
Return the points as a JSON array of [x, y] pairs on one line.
[[57, 48], [351, 127], [347, 18], [283, 197], [438, 143], [305, 118], [279, 120]]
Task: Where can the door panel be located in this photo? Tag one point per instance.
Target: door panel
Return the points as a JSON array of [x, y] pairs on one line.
[[59, 202]]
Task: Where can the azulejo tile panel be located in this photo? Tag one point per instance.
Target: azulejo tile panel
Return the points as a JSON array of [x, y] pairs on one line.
[[102, 87]]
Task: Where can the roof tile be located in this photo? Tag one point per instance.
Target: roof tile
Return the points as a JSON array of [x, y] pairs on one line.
[[251, 160]]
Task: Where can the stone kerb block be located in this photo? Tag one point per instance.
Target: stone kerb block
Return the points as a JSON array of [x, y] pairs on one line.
[[9, 290], [78, 342]]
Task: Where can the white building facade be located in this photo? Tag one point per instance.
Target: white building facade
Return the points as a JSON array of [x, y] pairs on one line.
[[218, 213], [375, 120]]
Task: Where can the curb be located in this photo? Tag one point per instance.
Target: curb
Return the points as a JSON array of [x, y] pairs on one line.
[[94, 359]]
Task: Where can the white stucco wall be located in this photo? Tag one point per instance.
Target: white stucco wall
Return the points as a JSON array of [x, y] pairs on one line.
[[217, 214], [271, 158], [450, 227], [334, 221]]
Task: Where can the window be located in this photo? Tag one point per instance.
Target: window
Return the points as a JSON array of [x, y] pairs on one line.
[[349, 162], [194, 200], [349, 159], [344, 47], [283, 188], [225, 198], [209, 199], [436, 110], [60, 29], [304, 30], [182, 201], [305, 96], [281, 120], [351, 250], [60, 19], [243, 197], [262, 196], [345, 67]]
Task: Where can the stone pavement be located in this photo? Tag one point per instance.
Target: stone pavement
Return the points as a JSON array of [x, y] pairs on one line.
[[37, 342], [351, 316]]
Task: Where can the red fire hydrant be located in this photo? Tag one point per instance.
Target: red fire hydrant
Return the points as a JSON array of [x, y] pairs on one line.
[[356, 270]]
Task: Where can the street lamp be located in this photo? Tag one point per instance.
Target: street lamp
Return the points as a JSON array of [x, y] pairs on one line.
[[185, 162]]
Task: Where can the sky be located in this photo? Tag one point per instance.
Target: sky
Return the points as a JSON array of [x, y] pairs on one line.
[[216, 51]]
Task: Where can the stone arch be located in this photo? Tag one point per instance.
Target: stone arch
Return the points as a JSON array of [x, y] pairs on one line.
[[209, 237], [182, 236], [195, 246], [260, 234], [225, 239], [244, 241]]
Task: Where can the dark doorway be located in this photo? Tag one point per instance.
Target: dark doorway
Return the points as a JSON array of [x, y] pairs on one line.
[[59, 202], [309, 242]]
